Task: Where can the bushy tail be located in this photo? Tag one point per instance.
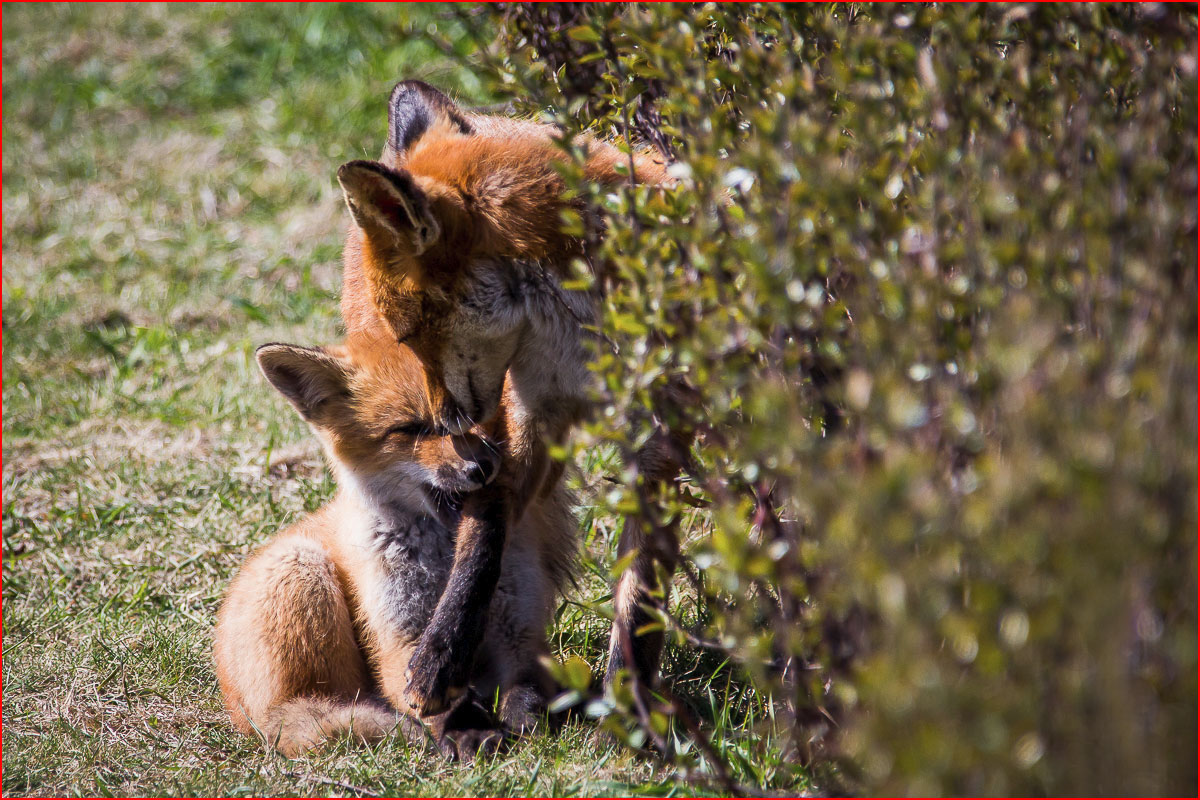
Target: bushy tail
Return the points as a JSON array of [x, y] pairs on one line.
[[301, 724]]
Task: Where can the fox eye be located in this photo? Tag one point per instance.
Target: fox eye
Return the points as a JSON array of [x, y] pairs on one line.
[[413, 428]]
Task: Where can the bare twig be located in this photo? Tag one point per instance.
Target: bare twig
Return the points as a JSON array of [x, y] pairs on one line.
[[349, 787]]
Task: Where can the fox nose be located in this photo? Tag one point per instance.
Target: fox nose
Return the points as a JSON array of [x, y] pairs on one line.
[[483, 470], [453, 418], [458, 416]]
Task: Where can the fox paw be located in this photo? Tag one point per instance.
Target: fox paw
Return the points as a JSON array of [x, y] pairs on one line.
[[465, 745], [523, 710], [467, 730], [431, 680]]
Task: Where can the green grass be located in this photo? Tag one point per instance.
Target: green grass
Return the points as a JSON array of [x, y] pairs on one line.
[[169, 205]]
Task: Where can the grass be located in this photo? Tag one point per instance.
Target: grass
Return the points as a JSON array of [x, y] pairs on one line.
[[169, 205]]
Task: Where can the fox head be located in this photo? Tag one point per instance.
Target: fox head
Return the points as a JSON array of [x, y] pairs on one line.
[[438, 222], [371, 414]]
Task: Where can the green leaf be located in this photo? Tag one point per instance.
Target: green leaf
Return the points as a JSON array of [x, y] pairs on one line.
[[584, 33]]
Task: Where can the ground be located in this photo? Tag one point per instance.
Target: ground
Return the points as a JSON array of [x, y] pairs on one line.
[[169, 205]]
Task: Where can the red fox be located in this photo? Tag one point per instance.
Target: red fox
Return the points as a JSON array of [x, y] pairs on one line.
[[457, 251], [316, 631]]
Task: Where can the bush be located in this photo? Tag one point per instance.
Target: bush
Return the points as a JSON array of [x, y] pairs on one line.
[[931, 273]]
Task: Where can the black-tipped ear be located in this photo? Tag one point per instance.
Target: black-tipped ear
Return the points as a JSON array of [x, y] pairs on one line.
[[309, 377], [385, 200], [412, 108]]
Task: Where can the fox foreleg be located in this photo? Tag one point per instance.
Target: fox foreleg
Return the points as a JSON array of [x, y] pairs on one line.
[[441, 665]]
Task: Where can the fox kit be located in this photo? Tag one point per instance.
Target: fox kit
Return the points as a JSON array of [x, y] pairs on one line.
[[457, 251], [316, 632]]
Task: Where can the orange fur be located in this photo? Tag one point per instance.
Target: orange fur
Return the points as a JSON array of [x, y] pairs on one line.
[[316, 631], [457, 251], [497, 193]]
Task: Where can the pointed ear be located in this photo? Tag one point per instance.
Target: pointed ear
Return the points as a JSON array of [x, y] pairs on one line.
[[387, 202], [413, 108], [311, 378]]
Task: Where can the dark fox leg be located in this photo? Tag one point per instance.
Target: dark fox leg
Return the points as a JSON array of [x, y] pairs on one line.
[[645, 584], [440, 667], [639, 589]]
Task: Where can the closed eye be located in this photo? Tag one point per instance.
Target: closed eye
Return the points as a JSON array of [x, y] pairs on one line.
[[413, 428]]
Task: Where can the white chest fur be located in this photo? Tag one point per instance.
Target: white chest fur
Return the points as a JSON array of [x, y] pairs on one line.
[[406, 557]]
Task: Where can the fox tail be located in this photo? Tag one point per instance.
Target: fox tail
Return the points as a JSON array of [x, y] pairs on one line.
[[301, 724]]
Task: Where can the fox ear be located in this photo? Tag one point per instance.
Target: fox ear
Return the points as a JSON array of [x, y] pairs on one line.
[[385, 201], [309, 377], [413, 108]]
